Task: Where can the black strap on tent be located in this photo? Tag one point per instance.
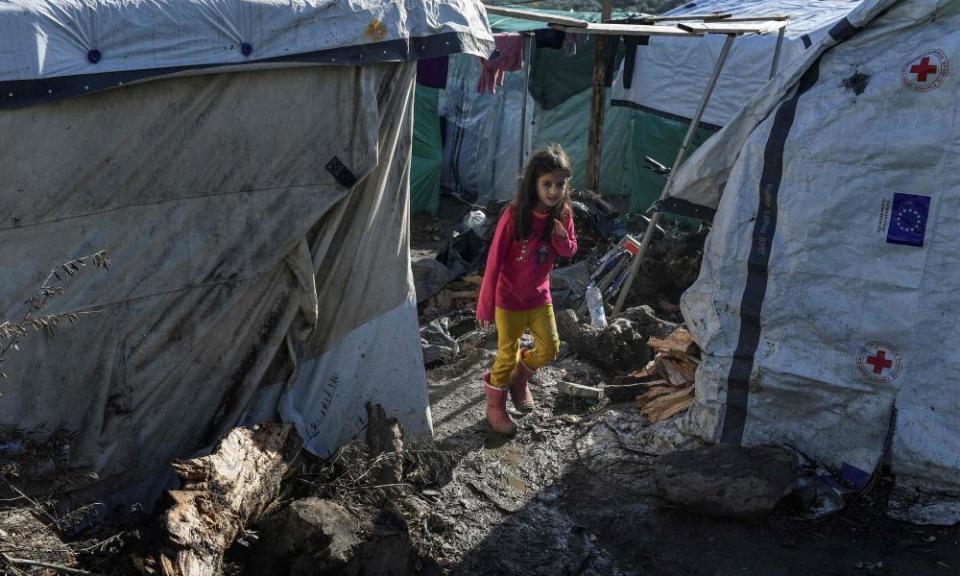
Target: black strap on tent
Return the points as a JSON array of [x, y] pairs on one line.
[[630, 57], [343, 174], [764, 228], [843, 30], [610, 58]]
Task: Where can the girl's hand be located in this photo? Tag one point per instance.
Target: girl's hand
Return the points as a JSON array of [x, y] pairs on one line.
[[559, 229], [485, 325]]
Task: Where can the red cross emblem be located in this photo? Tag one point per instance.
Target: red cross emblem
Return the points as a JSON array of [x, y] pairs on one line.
[[923, 68], [879, 362], [926, 72]]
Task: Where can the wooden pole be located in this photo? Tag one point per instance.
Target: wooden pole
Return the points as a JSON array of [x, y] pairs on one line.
[[595, 142]]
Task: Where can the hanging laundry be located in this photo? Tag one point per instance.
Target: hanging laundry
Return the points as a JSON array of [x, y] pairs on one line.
[[549, 38], [508, 57], [432, 72]]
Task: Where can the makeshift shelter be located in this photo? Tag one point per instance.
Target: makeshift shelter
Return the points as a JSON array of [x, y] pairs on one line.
[[669, 75], [482, 151], [825, 304], [246, 166]]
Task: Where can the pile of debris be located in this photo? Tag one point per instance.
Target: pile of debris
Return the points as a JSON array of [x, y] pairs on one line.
[[664, 388]]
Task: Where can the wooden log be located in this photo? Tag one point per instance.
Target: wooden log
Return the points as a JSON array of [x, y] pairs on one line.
[[222, 493]]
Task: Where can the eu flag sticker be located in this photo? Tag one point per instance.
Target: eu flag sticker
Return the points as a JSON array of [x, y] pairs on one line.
[[908, 219]]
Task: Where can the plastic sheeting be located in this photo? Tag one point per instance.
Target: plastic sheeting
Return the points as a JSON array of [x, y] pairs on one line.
[[53, 38], [671, 74], [426, 164], [240, 210], [826, 297], [482, 151], [568, 125], [481, 154]]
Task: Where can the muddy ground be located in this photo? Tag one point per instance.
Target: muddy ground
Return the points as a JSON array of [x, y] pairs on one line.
[[573, 493]]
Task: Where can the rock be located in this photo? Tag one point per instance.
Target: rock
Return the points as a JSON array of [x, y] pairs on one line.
[[617, 348], [315, 531], [646, 322], [727, 480], [387, 552]]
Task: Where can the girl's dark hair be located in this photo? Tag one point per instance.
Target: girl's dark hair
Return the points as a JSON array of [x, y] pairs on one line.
[[544, 161]]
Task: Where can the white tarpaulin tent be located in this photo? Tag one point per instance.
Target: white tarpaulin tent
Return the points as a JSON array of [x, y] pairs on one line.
[[670, 74], [255, 205], [827, 298]]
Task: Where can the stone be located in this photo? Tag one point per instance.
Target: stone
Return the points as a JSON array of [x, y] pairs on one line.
[[320, 530], [727, 480], [617, 348], [647, 323]]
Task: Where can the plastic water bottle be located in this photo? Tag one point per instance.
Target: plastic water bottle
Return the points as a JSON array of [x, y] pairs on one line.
[[598, 318]]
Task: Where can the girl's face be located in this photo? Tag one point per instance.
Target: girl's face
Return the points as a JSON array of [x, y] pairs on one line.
[[550, 189]]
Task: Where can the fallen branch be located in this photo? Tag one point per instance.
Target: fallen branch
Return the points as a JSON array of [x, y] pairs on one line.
[[50, 565], [221, 494]]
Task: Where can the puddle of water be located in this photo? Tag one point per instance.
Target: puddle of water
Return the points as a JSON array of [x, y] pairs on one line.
[[515, 483], [513, 454]]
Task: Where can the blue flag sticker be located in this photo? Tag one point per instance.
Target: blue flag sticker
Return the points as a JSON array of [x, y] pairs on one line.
[[908, 219]]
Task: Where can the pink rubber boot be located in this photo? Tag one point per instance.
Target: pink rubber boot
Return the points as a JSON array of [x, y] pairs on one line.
[[497, 415], [519, 391]]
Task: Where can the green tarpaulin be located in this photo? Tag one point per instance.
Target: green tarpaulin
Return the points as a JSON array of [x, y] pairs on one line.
[[427, 157], [560, 83]]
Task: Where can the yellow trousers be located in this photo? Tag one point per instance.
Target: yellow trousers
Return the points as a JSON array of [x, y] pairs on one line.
[[510, 327]]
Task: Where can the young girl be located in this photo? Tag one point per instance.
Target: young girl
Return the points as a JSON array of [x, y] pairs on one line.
[[533, 230]]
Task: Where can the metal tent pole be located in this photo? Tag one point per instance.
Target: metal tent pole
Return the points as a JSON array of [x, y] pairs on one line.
[[681, 154], [527, 62], [776, 53]]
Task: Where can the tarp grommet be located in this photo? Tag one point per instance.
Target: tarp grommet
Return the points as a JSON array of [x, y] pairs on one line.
[[94, 56], [246, 49]]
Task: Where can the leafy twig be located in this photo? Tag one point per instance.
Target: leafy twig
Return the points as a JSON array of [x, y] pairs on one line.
[[13, 332]]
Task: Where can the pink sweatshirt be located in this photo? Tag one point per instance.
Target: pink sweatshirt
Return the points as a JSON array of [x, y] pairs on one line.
[[518, 273]]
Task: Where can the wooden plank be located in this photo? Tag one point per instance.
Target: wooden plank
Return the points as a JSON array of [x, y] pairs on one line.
[[701, 17], [537, 16], [675, 372], [733, 28], [679, 341], [627, 30], [779, 17], [667, 405]]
